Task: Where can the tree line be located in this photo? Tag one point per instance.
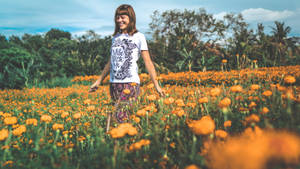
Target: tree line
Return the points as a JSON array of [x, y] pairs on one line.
[[189, 40]]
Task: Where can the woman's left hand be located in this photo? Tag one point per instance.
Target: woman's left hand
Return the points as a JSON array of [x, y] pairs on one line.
[[160, 91]]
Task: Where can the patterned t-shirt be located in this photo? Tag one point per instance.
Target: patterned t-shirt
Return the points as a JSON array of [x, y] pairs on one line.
[[125, 52]]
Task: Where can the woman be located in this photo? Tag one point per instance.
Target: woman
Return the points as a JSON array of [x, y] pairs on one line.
[[127, 45]]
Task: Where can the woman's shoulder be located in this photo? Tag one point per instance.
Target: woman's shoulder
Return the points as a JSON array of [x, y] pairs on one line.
[[139, 35]]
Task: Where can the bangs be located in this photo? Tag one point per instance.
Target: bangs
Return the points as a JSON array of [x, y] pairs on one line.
[[122, 12]]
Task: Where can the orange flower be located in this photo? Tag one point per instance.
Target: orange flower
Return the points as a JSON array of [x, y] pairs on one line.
[[179, 102], [169, 100], [252, 118], [203, 100], [77, 115], [267, 93], [264, 110], [141, 113], [192, 166], [236, 88], [126, 91], [203, 126], [227, 123], [64, 114], [224, 60], [31, 122], [221, 133], [215, 92], [10, 120], [46, 118], [252, 104], [254, 87], [19, 130], [151, 97], [122, 130], [57, 126], [224, 102], [290, 79], [3, 134]]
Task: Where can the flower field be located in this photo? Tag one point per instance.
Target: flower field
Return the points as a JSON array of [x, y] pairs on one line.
[[247, 119]]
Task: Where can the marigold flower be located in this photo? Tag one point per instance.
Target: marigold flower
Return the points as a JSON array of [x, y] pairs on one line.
[[252, 118], [236, 88], [267, 93], [221, 133], [215, 92], [46, 118], [10, 120], [227, 123], [290, 79], [192, 166], [203, 126], [141, 113], [3, 134], [64, 114], [122, 130], [87, 101], [254, 87], [31, 122], [77, 115], [19, 131], [224, 60], [169, 100], [126, 91], [224, 102], [152, 97], [91, 108], [179, 102], [57, 126], [203, 100], [252, 104], [264, 110]]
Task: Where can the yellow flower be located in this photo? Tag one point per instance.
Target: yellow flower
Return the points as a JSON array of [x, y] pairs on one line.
[[10, 120], [169, 100], [64, 114], [151, 97]]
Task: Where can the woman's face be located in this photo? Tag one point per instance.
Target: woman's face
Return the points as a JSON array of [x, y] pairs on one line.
[[122, 22]]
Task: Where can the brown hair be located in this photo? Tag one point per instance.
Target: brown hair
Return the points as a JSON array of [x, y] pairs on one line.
[[126, 10]]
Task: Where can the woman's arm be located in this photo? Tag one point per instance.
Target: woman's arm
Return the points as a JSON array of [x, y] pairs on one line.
[[151, 70], [104, 73]]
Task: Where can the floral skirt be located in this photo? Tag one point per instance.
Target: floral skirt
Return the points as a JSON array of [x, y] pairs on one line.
[[123, 94]]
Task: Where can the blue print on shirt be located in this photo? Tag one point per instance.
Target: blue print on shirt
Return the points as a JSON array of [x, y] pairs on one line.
[[122, 58]]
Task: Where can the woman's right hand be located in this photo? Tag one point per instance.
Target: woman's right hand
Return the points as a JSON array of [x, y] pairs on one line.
[[94, 87]]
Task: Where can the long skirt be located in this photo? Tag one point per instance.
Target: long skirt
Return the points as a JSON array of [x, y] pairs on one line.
[[123, 94]]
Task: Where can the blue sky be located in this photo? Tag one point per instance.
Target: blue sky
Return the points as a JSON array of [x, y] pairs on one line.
[[77, 16]]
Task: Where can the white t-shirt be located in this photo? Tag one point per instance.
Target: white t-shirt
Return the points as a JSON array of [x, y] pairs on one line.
[[125, 52]]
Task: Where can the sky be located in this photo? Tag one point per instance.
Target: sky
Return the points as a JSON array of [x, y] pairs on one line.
[[78, 16]]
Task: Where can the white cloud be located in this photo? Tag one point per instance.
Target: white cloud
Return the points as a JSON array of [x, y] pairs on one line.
[[265, 15], [220, 15]]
